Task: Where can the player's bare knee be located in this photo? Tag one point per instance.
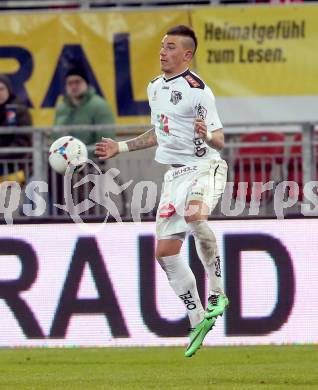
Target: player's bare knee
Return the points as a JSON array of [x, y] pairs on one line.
[[163, 252], [170, 246]]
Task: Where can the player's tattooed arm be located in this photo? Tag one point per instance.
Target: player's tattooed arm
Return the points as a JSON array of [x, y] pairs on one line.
[[108, 148], [143, 141]]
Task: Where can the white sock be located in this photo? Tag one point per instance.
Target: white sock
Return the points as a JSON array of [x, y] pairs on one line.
[[208, 252], [183, 283]]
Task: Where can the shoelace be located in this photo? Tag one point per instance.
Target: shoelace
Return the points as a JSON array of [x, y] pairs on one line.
[[213, 299]]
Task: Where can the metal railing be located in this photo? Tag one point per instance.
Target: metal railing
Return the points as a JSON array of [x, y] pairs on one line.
[[86, 4], [28, 166]]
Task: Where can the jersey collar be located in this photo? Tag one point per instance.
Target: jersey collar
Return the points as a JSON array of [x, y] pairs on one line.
[[178, 75]]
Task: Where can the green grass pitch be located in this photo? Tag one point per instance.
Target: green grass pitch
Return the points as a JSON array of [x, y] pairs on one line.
[[255, 367]]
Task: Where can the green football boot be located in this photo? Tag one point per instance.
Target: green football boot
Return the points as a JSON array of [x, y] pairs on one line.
[[198, 334], [216, 306]]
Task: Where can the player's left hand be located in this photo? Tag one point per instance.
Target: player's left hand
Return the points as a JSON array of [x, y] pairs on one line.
[[200, 128]]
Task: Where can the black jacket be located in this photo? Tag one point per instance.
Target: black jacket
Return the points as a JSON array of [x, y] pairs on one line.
[[13, 113]]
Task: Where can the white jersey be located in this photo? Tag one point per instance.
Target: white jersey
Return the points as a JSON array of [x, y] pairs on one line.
[[175, 104]]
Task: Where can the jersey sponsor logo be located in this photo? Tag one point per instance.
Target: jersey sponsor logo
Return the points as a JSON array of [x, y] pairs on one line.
[[176, 96], [191, 81], [199, 149], [201, 111], [197, 193], [165, 87], [184, 170], [188, 300]]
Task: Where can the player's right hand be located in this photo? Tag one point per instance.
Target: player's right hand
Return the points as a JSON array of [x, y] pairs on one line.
[[106, 148]]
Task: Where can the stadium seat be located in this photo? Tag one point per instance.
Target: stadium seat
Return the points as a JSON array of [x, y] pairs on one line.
[[295, 167], [295, 172], [257, 163]]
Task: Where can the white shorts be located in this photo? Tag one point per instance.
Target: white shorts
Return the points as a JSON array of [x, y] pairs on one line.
[[204, 181]]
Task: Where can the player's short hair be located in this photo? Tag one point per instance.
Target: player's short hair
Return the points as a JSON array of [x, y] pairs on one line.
[[184, 31]]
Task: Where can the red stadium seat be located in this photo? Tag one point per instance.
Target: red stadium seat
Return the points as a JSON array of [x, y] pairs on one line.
[[295, 172], [295, 168], [255, 163]]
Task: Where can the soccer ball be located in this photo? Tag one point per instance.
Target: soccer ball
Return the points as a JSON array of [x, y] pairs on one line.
[[67, 152]]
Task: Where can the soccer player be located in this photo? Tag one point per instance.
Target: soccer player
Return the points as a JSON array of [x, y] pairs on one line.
[[189, 135]]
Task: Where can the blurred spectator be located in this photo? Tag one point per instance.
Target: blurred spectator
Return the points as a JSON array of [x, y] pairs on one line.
[[12, 113], [83, 106]]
